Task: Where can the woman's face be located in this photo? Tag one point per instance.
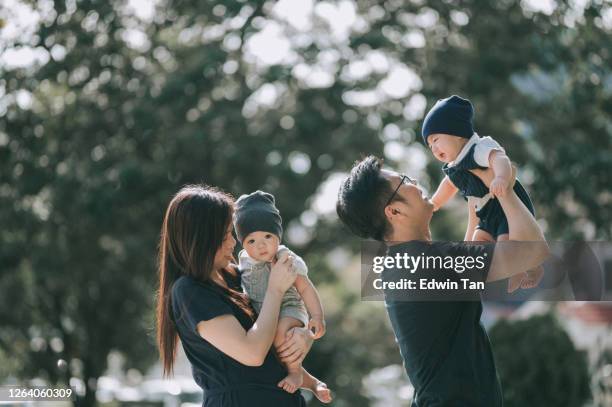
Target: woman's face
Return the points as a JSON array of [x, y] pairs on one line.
[[261, 246], [224, 255]]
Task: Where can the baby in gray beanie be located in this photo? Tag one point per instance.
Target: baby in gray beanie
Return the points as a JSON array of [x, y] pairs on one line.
[[259, 229]]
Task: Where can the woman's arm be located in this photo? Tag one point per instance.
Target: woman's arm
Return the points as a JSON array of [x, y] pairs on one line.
[[247, 347], [446, 190], [313, 304], [251, 347]]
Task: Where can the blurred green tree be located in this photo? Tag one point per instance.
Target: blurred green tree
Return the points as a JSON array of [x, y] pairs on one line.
[[113, 130], [538, 363], [124, 106]]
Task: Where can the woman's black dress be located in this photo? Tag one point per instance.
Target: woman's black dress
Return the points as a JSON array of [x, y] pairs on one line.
[[225, 381]]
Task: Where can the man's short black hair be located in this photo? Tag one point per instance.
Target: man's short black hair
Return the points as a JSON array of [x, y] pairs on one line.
[[362, 198]]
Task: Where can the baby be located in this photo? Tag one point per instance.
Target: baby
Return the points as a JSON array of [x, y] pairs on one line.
[[258, 226], [447, 130]]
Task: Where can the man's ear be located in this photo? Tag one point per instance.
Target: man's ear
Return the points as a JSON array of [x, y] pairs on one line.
[[390, 211]]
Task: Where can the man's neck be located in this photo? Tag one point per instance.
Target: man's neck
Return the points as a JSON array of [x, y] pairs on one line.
[[410, 233]]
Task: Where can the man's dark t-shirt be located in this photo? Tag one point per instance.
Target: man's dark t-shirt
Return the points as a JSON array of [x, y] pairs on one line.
[[446, 351]]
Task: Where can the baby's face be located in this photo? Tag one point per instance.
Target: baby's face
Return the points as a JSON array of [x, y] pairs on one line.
[[261, 246], [445, 147]]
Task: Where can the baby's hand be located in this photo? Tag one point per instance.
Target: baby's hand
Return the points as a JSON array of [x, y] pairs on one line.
[[318, 323], [499, 185], [435, 205]]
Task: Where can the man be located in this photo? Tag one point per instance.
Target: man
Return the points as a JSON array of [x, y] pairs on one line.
[[445, 348]]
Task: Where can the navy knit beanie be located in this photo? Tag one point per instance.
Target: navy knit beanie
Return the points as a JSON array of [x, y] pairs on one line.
[[452, 115], [257, 212]]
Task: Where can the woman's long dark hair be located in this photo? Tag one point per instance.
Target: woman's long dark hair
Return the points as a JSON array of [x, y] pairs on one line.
[[194, 227]]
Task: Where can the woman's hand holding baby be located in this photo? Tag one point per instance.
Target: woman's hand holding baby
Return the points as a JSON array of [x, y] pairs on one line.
[[317, 325], [282, 274], [297, 344]]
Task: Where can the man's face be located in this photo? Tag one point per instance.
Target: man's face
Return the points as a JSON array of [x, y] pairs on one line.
[[416, 205]]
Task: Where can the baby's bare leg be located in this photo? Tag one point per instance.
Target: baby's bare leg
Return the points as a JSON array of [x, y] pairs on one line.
[[293, 381]]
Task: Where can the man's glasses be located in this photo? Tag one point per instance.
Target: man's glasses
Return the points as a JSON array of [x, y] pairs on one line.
[[403, 181]]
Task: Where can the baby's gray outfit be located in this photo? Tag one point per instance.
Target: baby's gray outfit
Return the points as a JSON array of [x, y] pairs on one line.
[[255, 275]]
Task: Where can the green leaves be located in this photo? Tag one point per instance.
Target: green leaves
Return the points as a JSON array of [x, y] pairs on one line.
[[128, 109], [538, 364]]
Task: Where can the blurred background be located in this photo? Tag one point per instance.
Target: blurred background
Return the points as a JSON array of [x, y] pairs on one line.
[[108, 107]]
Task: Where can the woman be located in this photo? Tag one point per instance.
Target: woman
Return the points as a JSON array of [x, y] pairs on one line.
[[200, 302]]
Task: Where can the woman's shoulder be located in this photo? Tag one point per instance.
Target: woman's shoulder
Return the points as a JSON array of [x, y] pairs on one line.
[[189, 291], [187, 286], [186, 281]]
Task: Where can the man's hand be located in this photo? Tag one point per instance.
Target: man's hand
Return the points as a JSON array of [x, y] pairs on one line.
[[487, 176], [297, 344], [318, 324]]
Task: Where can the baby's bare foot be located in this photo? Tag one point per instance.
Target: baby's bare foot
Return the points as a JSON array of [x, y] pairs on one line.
[[515, 282], [292, 382], [321, 391], [533, 277]]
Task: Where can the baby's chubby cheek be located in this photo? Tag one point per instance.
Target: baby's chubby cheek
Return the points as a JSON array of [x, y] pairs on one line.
[[254, 254]]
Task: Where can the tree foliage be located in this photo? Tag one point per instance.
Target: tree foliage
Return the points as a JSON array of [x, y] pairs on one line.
[[124, 109], [538, 364]]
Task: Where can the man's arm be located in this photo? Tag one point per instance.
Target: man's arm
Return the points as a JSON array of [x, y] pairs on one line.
[[529, 248], [500, 163]]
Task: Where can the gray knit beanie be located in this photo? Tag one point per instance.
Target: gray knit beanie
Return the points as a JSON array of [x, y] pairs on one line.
[[257, 212]]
